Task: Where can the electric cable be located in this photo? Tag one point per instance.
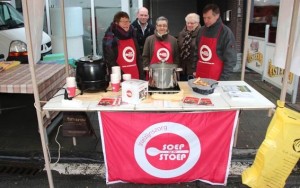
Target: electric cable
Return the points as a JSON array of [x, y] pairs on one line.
[[59, 146]]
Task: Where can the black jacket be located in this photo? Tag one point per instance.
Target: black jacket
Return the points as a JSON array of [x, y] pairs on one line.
[[139, 33]]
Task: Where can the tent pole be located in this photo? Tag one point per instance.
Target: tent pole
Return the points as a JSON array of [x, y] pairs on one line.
[[249, 4], [37, 103], [93, 27], [290, 51], [63, 22], [48, 18]]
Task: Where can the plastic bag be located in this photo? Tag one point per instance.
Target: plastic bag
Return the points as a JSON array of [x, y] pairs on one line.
[[278, 153]]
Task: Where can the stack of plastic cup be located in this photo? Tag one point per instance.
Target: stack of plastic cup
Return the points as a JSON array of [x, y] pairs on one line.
[[71, 86], [116, 70], [115, 82]]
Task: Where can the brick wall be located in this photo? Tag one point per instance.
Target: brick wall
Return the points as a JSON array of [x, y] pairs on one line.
[[236, 24]]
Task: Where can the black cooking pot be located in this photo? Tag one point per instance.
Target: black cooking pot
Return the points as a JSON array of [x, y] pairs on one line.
[[91, 74]]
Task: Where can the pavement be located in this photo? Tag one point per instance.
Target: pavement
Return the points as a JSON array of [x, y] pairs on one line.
[[22, 161]]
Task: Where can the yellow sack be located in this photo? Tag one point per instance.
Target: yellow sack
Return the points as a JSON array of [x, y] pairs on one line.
[[278, 153]]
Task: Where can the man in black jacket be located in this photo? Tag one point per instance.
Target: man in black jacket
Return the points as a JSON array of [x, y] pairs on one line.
[[142, 27]]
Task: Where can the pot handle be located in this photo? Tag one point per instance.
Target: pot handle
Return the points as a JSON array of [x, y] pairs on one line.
[[179, 69]]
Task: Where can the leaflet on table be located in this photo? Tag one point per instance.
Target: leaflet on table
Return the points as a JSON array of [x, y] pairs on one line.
[[238, 91], [239, 88], [197, 101], [239, 94], [109, 101]]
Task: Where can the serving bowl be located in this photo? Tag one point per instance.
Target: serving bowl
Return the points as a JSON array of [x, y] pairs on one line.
[[203, 90]]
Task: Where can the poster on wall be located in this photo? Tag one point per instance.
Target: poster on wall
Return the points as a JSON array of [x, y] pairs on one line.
[[255, 54], [274, 74]]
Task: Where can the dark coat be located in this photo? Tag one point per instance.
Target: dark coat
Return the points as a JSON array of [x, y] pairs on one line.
[[139, 33], [187, 64]]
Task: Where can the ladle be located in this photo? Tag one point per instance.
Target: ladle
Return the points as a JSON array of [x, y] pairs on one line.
[[154, 151]]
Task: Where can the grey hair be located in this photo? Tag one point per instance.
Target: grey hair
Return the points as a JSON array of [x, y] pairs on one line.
[[162, 18], [192, 16]]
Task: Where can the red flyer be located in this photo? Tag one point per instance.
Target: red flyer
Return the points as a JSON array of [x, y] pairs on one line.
[[191, 100], [107, 101], [206, 101]]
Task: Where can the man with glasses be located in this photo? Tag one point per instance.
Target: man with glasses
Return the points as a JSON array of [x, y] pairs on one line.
[[142, 27], [120, 47], [161, 46], [187, 44]]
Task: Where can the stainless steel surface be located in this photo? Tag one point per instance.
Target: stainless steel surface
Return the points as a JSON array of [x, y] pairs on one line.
[[163, 75]]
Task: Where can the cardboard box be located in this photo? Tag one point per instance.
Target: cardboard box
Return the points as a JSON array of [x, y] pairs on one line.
[[134, 91]]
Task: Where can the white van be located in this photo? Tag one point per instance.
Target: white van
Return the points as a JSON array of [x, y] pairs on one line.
[[12, 35]]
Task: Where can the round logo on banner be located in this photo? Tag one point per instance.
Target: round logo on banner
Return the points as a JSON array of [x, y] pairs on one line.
[[163, 151], [163, 54], [128, 54], [205, 53]]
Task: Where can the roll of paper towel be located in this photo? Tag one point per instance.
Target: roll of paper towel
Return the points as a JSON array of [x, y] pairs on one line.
[[74, 45], [73, 21]]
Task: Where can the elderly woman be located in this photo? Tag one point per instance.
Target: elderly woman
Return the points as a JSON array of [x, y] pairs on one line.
[[187, 43], [120, 47], [161, 46]]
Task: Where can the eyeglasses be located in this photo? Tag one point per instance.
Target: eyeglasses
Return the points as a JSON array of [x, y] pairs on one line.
[[161, 25], [125, 21]]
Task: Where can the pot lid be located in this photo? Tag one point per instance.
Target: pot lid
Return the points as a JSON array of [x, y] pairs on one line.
[[163, 65], [90, 58]]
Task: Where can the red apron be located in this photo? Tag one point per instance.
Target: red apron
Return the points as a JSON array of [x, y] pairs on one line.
[[162, 51], [127, 58], [209, 64]]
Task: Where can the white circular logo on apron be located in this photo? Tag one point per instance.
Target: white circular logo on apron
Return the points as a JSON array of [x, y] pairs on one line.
[[205, 53], [128, 54], [163, 54], [164, 143]]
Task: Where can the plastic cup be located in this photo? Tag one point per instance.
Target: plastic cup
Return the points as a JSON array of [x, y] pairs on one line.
[[126, 77], [71, 86], [116, 70], [115, 87], [114, 78], [115, 82]]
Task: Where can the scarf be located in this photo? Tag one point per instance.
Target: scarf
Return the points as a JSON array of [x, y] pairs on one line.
[[186, 46], [120, 33]]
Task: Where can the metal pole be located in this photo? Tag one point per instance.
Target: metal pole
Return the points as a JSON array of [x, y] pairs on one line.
[[290, 51], [93, 27], [62, 8], [31, 63], [249, 4], [48, 17]]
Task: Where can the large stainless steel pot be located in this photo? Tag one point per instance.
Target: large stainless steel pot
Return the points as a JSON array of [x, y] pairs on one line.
[[163, 75], [92, 74]]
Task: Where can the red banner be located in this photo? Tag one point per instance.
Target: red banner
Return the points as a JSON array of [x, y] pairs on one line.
[[164, 148]]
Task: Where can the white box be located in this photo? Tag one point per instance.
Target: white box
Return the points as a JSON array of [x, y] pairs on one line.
[[134, 91]]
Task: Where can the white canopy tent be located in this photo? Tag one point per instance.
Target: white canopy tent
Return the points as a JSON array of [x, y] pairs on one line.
[[33, 35], [34, 30], [33, 21]]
